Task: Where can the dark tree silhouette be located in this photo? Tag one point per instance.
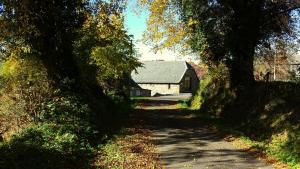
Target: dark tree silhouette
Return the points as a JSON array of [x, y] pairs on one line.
[[47, 28], [234, 28]]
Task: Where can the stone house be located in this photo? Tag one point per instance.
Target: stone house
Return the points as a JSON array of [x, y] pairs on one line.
[[166, 77], [136, 90]]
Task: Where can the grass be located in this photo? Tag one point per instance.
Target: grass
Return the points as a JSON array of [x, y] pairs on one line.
[[275, 150], [140, 98], [184, 104], [262, 150]]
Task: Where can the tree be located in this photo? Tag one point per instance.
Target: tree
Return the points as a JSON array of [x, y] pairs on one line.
[[44, 29], [276, 59], [164, 27], [68, 38], [231, 30], [105, 45]]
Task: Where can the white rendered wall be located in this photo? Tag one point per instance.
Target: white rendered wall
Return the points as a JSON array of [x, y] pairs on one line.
[[161, 88]]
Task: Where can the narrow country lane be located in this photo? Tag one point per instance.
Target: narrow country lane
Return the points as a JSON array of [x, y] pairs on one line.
[[183, 142]]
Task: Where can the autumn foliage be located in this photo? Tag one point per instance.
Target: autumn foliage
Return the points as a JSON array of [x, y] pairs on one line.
[[64, 68]]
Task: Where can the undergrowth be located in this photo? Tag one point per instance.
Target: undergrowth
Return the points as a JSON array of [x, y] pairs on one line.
[[64, 136], [61, 137]]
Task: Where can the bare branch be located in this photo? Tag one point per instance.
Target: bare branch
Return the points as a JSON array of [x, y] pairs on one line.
[[289, 10]]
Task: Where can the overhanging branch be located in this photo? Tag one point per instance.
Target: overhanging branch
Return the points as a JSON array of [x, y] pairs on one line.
[[289, 10]]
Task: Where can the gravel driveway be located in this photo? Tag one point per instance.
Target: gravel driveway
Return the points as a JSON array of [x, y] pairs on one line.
[[183, 142]]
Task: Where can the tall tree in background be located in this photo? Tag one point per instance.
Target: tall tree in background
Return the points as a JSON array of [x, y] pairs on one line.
[[223, 30], [278, 59], [234, 28]]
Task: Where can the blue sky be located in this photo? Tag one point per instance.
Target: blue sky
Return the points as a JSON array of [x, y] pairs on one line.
[[135, 23]]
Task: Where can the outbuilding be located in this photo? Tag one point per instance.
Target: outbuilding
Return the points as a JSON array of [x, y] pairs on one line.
[[166, 77]]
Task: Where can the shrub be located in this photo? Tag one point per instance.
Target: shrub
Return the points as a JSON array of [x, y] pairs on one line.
[[23, 93], [213, 92], [45, 146]]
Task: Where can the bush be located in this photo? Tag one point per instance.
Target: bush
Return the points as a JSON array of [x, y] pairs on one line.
[[214, 92], [24, 91], [62, 137], [45, 146]]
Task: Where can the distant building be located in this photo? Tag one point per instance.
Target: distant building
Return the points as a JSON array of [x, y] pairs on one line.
[[164, 78], [136, 90]]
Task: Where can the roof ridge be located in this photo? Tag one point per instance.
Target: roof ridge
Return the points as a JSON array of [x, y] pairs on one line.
[[186, 68]]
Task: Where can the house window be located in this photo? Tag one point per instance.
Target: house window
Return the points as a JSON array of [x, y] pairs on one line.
[[169, 86], [187, 82], [138, 93]]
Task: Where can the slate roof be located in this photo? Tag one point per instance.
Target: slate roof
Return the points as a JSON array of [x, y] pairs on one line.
[[160, 72]]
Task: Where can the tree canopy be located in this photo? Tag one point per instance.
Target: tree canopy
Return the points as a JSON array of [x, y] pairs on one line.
[[71, 38], [56, 49], [231, 30], [44, 29]]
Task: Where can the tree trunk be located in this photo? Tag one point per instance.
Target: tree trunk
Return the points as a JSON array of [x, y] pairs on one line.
[[60, 63], [242, 40], [242, 44], [241, 68]]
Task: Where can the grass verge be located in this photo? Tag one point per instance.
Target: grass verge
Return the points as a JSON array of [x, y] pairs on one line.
[[272, 150]]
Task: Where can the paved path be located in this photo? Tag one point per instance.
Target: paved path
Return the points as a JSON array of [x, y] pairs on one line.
[[175, 97], [184, 142]]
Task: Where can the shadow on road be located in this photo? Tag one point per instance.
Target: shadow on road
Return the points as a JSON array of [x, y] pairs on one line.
[[186, 141]]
